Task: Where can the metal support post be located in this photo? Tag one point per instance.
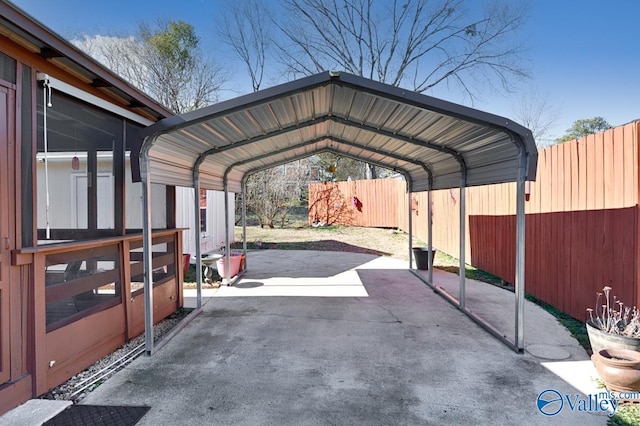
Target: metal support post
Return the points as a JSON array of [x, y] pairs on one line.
[[520, 251], [430, 234], [227, 244], [147, 247], [198, 235], [244, 221], [462, 270], [410, 230]]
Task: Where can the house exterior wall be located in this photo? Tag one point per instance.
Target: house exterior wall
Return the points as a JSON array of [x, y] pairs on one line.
[[213, 236], [41, 347]]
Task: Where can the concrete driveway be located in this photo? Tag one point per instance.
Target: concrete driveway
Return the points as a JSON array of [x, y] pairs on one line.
[[325, 338]]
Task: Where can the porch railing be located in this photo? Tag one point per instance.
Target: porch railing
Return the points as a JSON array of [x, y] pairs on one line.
[[89, 290]]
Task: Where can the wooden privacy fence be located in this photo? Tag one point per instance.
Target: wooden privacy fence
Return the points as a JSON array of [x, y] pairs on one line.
[[582, 220], [375, 203]]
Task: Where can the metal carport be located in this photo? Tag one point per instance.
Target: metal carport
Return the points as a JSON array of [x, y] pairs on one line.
[[435, 144]]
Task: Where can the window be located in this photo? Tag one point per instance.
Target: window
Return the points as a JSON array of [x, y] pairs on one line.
[[8, 70], [84, 185], [75, 167], [203, 210]]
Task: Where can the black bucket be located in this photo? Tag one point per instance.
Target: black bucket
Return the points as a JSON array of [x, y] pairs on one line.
[[421, 255]]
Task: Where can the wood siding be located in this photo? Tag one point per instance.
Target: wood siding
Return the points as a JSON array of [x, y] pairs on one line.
[[582, 220], [27, 348], [56, 355]]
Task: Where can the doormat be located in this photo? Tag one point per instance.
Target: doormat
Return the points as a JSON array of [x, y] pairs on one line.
[[98, 415]]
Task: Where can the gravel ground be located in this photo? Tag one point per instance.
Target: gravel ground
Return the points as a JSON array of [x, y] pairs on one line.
[[77, 387]]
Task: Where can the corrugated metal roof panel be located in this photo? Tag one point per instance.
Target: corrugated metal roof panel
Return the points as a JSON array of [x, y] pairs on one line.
[[419, 136]]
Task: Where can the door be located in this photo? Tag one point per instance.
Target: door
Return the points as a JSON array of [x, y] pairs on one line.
[[80, 199], [6, 96]]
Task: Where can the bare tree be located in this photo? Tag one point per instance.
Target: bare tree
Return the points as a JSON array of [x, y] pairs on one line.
[[419, 43], [535, 111], [165, 61], [245, 28], [273, 192], [121, 54]]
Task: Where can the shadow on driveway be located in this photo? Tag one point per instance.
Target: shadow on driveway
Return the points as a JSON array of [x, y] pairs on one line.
[[397, 355]]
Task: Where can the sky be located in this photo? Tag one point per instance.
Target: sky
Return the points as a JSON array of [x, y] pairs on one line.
[[583, 55]]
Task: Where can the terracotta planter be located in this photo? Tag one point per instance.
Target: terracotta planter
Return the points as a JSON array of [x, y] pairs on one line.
[[186, 258], [234, 265], [601, 340], [619, 368]]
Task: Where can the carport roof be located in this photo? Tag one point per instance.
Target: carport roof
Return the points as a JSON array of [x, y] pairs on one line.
[[433, 143]]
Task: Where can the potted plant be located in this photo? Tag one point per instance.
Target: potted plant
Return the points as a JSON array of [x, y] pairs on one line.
[[612, 324], [421, 256]]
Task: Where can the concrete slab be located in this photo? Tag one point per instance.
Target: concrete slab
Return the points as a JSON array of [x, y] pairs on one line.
[[33, 412], [497, 306], [399, 354], [190, 296]]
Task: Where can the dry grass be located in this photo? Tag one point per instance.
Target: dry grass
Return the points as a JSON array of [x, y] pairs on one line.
[[381, 242], [376, 241]]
